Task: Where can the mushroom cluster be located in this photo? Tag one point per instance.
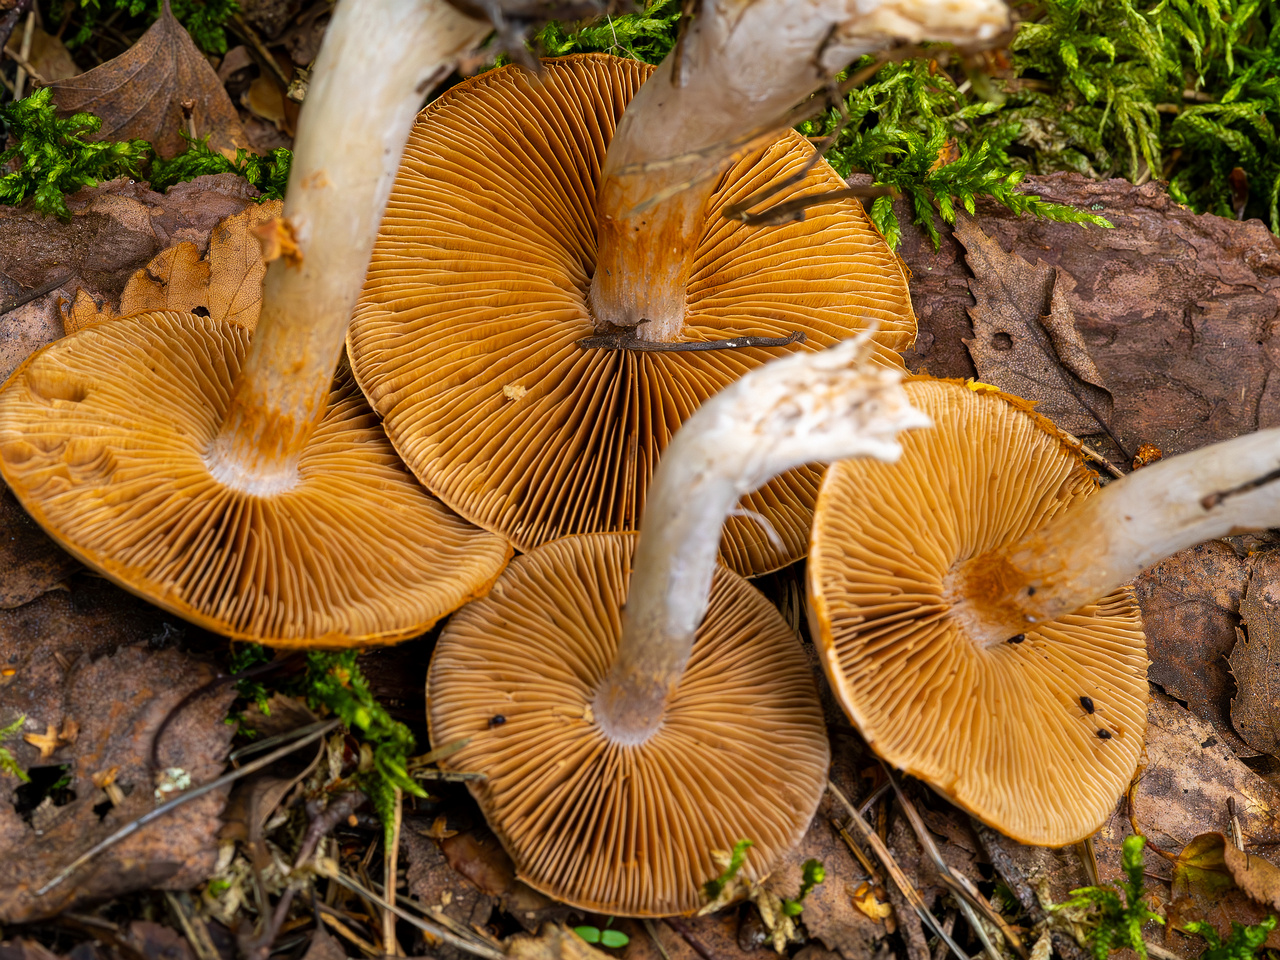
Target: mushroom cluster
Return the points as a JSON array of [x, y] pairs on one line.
[[477, 340], [655, 707]]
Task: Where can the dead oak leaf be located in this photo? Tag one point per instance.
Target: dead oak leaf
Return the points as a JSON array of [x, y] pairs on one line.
[[1190, 603], [140, 94], [1214, 881], [1025, 338], [119, 701], [226, 284], [1255, 661]]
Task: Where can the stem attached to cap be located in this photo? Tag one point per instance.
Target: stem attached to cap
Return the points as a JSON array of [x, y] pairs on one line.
[[740, 64], [379, 61], [794, 410]]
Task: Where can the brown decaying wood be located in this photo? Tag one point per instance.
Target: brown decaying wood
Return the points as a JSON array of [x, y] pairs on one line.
[[355, 552], [742, 751], [998, 730], [465, 339]]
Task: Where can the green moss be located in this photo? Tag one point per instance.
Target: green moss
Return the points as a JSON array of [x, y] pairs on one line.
[[55, 158], [1118, 912]]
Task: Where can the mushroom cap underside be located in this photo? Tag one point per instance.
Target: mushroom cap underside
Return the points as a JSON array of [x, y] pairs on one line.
[[465, 339], [628, 830], [103, 438], [1037, 736]]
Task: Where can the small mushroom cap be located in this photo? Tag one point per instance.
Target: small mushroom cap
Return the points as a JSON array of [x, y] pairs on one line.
[[103, 438], [626, 830], [465, 339], [1006, 731]]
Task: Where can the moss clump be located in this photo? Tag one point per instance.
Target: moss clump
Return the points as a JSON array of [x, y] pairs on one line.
[[55, 158]]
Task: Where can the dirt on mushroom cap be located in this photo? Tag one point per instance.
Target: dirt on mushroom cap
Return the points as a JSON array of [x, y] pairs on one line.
[[626, 830], [103, 437], [1037, 736], [465, 339]]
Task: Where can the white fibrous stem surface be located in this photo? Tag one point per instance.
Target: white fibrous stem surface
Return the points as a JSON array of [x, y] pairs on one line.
[[379, 61], [742, 65], [1106, 540], [798, 409]]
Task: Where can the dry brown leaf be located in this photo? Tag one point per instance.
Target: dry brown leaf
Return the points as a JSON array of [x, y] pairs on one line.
[[831, 912], [1190, 603], [1025, 340], [117, 703], [139, 94], [1177, 308], [255, 799], [114, 230], [226, 284], [324, 947], [1255, 661], [49, 55], [1216, 882]]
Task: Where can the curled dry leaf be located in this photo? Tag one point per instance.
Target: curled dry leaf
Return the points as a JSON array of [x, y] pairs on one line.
[[116, 703], [140, 94], [1177, 310], [1255, 661], [225, 284], [1025, 339], [1216, 882]]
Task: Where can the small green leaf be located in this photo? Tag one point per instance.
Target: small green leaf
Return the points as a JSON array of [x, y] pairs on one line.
[[613, 939], [589, 934]]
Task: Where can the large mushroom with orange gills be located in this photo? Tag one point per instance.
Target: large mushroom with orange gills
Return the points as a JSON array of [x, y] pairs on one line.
[[654, 706], [556, 288], [231, 479], [970, 603]]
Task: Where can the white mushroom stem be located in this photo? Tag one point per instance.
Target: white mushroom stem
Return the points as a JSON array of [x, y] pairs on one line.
[[1103, 542], [794, 410], [379, 61], [741, 65]]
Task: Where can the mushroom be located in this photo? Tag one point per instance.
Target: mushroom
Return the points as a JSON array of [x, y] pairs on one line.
[[970, 609], [474, 340], [235, 483], [739, 67], [534, 388], [619, 749]]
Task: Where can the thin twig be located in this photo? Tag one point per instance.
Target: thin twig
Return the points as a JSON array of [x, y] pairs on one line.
[[390, 861], [691, 938], [23, 299], [193, 927], [872, 873], [326, 914], [308, 734], [627, 340], [971, 902], [20, 79], [895, 872], [651, 928], [239, 25], [327, 868]]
